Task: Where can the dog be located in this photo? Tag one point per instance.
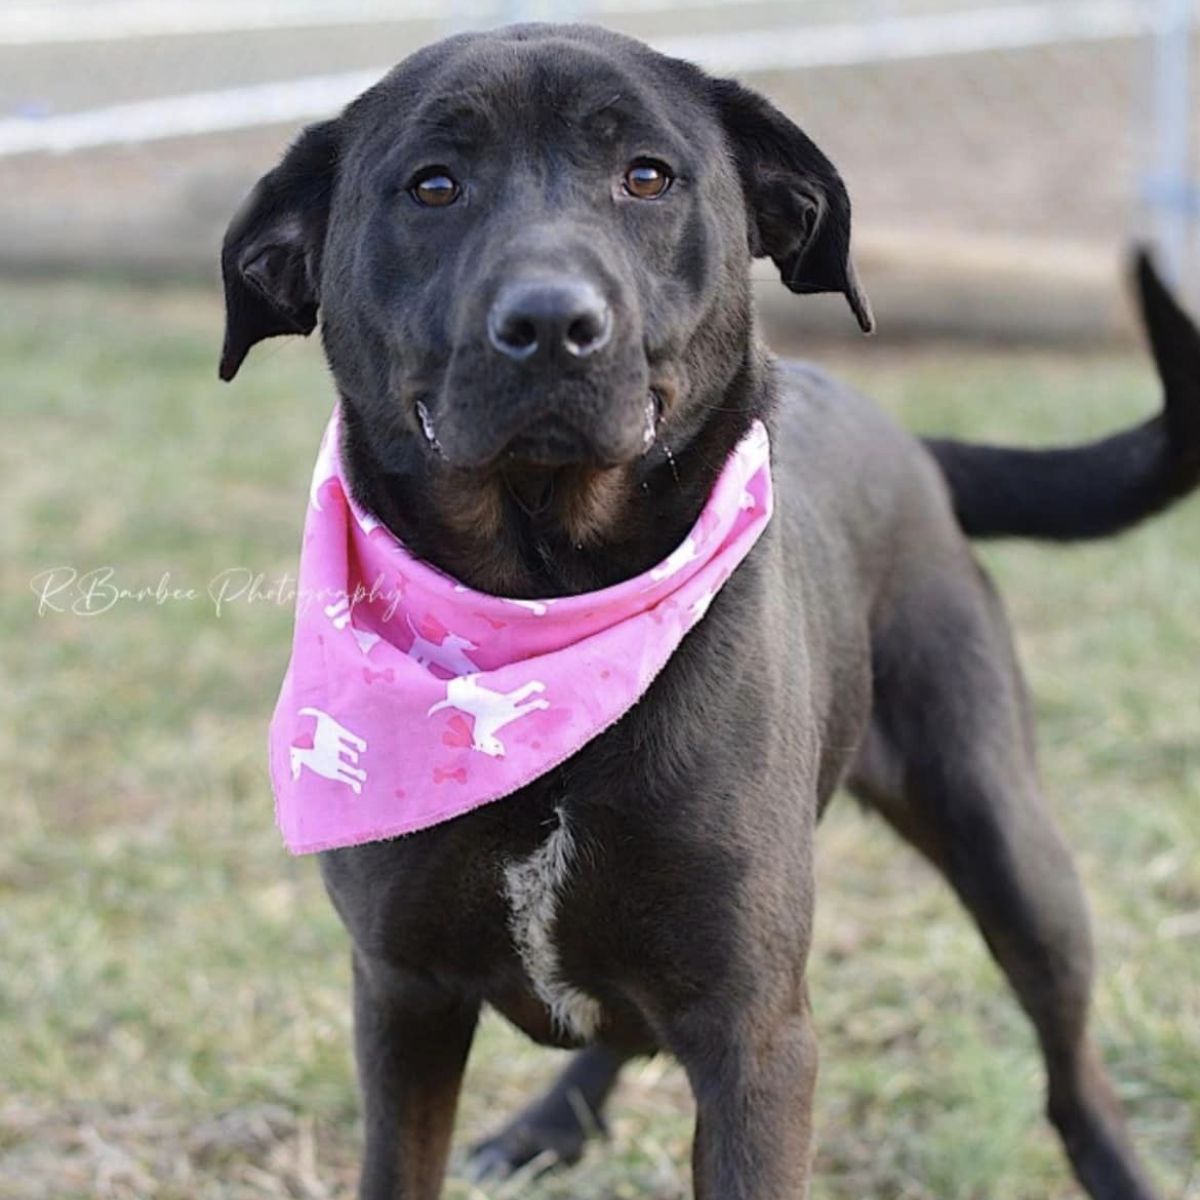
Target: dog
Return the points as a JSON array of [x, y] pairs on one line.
[[530, 254]]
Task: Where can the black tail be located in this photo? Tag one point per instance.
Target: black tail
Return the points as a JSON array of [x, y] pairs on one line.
[[1097, 489]]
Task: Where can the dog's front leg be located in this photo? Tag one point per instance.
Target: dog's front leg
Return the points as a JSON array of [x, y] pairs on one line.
[[411, 1041], [753, 1079]]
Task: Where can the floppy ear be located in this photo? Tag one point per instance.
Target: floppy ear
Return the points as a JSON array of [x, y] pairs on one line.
[[271, 258], [798, 206]]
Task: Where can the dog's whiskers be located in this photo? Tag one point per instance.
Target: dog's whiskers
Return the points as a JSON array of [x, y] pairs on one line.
[[671, 460]]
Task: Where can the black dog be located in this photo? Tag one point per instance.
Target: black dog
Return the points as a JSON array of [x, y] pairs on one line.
[[528, 248]]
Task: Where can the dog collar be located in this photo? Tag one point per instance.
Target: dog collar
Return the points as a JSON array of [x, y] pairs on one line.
[[411, 699]]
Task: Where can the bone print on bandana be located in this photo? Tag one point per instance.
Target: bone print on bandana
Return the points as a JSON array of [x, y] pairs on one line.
[[411, 699]]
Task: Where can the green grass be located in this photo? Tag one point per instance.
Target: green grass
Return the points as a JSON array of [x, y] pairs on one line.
[[173, 996]]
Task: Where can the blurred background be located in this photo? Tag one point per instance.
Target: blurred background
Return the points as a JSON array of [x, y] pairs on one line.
[[1000, 154], [173, 988]]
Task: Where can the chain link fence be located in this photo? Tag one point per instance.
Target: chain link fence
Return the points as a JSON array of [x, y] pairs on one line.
[[1010, 138]]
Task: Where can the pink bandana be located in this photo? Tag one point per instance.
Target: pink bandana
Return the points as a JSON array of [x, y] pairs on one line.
[[411, 699]]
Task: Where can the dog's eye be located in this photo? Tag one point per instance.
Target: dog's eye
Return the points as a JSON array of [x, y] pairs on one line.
[[647, 179], [434, 188]]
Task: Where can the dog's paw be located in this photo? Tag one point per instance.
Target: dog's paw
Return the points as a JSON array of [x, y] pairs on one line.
[[524, 1146]]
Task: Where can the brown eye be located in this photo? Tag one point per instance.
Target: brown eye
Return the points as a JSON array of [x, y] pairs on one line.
[[647, 180], [435, 189]]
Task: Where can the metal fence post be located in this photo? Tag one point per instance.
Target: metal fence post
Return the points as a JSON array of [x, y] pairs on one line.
[[1173, 196]]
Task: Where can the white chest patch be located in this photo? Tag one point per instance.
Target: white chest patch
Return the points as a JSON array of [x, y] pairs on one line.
[[532, 887]]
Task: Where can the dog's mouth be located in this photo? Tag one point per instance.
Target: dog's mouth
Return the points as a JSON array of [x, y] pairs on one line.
[[551, 441]]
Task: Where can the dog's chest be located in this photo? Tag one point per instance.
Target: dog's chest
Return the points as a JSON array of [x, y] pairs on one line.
[[533, 889]]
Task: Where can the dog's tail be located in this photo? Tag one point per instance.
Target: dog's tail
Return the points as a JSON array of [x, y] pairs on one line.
[[1097, 489]]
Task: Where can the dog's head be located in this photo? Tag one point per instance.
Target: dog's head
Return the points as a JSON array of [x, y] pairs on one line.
[[530, 254]]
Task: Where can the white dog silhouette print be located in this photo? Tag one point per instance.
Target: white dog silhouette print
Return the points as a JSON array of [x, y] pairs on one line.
[[333, 753], [449, 654], [340, 615], [687, 551], [699, 607], [539, 608], [367, 523], [491, 710]]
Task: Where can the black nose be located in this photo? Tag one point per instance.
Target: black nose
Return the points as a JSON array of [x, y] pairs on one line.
[[547, 318]]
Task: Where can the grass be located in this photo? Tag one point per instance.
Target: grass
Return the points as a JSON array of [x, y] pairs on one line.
[[173, 1000]]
